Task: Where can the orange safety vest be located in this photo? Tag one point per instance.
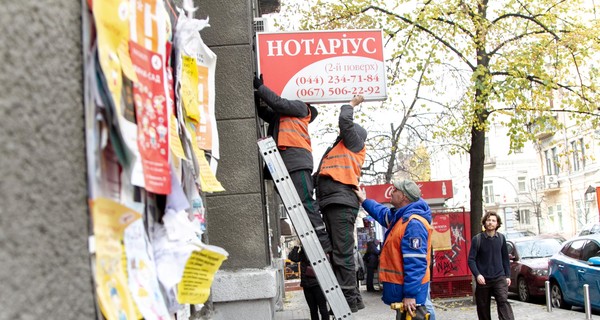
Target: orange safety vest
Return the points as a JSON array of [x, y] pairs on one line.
[[293, 132], [343, 165], [391, 264]]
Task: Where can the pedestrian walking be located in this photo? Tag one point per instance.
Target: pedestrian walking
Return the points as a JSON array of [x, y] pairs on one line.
[[489, 263], [371, 259], [313, 294]]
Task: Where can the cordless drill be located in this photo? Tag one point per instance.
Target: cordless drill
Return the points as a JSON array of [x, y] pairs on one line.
[[420, 313]]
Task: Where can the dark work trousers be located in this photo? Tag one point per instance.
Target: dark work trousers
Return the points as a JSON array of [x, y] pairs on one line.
[[339, 220], [359, 300], [370, 277], [483, 297], [316, 302], [303, 182]]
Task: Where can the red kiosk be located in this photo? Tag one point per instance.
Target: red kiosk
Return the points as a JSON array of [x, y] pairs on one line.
[[451, 237]]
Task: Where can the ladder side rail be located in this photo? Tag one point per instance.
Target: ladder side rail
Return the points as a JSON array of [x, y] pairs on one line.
[[304, 229]]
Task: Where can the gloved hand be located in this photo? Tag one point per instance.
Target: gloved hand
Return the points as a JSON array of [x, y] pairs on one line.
[[258, 82]]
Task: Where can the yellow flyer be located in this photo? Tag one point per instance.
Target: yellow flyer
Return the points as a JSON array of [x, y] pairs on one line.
[[189, 87], [175, 145], [208, 180], [112, 24], [110, 220], [199, 273]]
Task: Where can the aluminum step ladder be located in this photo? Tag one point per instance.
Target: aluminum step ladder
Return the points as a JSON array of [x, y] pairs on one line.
[[304, 229]]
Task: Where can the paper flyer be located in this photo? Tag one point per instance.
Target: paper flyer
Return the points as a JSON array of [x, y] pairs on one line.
[[440, 239], [208, 181], [110, 220], [143, 283], [112, 28], [150, 99], [204, 128], [189, 87], [199, 273]]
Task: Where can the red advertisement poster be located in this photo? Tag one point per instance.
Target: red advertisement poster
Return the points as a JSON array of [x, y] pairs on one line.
[[323, 66], [452, 262], [150, 100]]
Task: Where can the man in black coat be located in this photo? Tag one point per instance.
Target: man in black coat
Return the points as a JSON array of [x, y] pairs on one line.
[[288, 125]]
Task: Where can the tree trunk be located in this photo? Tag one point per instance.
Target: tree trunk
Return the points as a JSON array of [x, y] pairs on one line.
[[477, 155]]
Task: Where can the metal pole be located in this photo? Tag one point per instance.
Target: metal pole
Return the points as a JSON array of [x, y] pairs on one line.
[[586, 302], [538, 213], [548, 298]]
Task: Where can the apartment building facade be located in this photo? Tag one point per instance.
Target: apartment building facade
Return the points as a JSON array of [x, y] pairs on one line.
[[550, 185]]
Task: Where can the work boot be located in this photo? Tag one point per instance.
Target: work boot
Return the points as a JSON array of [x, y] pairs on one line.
[[360, 305]]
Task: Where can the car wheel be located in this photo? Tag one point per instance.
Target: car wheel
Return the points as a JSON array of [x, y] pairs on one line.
[[556, 297], [523, 290]]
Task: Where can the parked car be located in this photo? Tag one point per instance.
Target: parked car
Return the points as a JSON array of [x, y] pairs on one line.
[[577, 263], [529, 263], [513, 234], [591, 228]]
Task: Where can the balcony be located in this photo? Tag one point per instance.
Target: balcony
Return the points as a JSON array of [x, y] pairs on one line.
[[489, 161]]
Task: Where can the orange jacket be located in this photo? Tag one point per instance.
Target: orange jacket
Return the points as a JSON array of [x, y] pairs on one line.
[[293, 132], [343, 165], [391, 261]]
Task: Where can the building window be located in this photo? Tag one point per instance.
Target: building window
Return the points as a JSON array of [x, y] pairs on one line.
[[548, 162], [486, 148], [559, 216], [525, 216], [551, 216], [555, 161], [522, 183], [575, 151], [582, 149], [488, 192]]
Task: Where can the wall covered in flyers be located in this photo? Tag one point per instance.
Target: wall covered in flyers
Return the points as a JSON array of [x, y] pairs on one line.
[[152, 152]]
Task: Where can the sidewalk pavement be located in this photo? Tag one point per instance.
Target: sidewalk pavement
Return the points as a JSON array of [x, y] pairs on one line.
[[295, 308]]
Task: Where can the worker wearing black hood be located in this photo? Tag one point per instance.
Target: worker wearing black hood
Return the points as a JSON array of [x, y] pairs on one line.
[[337, 178], [288, 125]]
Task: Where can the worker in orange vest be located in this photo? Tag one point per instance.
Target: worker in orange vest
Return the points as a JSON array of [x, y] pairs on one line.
[[406, 253], [288, 125], [337, 178]]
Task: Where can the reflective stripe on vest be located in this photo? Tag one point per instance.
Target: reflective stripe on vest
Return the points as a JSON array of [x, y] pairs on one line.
[[343, 165], [293, 132], [391, 259]]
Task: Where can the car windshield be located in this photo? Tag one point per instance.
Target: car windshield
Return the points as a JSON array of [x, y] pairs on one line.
[[539, 248]]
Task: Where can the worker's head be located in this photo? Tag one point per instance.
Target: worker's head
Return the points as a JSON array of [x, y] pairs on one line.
[[405, 192], [491, 221], [362, 133], [313, 112]]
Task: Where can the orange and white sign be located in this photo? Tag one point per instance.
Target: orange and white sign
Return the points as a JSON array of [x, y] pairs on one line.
[[323, 66]]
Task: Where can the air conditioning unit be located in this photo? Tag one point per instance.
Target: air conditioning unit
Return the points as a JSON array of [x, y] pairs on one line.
[[551, 181]]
